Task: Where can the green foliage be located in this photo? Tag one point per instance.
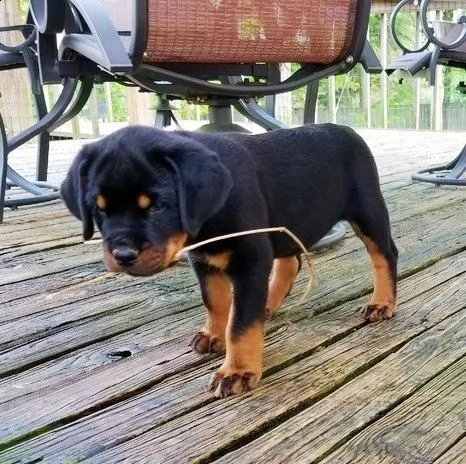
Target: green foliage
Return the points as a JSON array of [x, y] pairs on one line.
[[119, 104], [401, 88], [23, 6], [452, 78], [191, 111]]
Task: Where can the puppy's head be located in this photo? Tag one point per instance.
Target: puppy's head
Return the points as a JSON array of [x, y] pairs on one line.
[[148, 192]]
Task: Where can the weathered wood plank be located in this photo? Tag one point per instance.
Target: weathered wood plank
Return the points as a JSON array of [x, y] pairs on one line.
[[18, 273], [455, 455], [62, 267], [420, 430], [394, 159], [193, 436], [180, 326], [35, 227], [25, 298], [100, 319], [41, 250], [58, 275], [58, 224], [321, 428], [60, 234], [21, 267], [19, 220], [31, 213], [303, 381]]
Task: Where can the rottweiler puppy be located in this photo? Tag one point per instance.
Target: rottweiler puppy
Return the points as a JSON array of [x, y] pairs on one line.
[[152, 192]]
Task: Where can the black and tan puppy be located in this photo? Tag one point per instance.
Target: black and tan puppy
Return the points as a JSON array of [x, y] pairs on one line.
[[152, 192]]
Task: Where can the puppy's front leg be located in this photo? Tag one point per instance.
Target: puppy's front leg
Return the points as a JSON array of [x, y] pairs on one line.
[[242, 368], [217, 297]]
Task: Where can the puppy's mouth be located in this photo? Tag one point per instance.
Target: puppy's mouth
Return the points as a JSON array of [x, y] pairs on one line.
[[149, 260]]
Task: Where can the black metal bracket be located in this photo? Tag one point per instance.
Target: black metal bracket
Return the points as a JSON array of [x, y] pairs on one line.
[[421, 58], [448, 174]]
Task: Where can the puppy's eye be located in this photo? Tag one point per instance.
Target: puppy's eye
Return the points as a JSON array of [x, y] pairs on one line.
[[101, 202], [144, 201]]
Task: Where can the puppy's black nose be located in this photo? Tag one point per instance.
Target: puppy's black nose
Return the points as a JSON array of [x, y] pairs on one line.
[[125, 256]]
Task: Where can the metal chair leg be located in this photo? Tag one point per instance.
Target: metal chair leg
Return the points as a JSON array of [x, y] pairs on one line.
[[310, 104], [43, 145], [449, 174], [36, 191], [3, 165], [336, 233], [83, 94], [43, 142], [257, 114]]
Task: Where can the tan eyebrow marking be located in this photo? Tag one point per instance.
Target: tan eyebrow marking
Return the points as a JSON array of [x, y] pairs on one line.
[[101, 202], [144, 201]]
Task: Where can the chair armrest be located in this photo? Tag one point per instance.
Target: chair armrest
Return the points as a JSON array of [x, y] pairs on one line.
[[370, 60], [103, 45], [111, 55]]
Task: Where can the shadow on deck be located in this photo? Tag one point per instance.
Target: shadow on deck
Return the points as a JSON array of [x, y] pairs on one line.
[[98, 369]]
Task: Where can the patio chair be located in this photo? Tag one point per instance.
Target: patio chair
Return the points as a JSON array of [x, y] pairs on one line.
[[218, 52], [444, 44], [75, 92]]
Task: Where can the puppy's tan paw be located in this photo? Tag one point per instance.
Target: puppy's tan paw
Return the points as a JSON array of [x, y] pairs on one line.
[[269, 314], [226, 382], [375, 312], [204, 342]]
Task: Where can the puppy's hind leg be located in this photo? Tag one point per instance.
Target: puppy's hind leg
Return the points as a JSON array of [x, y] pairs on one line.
[[372, 226], [284, 272]]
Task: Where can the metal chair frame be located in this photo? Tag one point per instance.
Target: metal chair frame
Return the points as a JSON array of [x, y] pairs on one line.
[[93, 51], [413, 61]]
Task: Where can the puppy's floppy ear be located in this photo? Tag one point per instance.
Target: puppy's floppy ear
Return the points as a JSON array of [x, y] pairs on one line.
[[74, 188], [203, 184]]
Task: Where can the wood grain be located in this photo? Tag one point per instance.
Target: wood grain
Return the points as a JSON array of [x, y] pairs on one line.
[[417, 431], [455, 455]]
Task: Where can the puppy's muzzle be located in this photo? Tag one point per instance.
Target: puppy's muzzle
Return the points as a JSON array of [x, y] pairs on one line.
[[125, 256]]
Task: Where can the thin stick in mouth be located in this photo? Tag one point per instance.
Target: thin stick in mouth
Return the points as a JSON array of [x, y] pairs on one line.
[[294, 237]]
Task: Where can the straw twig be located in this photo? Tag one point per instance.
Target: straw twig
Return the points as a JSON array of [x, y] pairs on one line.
[[305, 252]]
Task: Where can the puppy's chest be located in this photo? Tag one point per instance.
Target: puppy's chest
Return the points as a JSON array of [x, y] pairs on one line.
[[218, 260]]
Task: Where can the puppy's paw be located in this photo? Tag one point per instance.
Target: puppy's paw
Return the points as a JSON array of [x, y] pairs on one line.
[[204, 342], [375, 312], [226, 382], [269, 314]]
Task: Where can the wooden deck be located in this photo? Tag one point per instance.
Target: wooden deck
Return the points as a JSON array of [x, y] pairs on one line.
[[98, 369]]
